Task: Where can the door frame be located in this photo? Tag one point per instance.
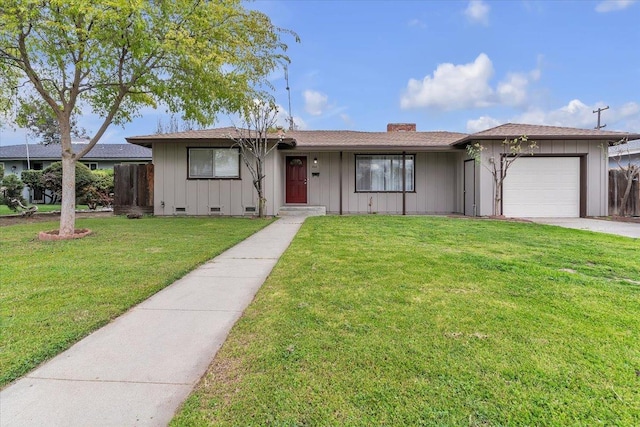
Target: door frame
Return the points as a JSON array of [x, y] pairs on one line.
[[286, 161]]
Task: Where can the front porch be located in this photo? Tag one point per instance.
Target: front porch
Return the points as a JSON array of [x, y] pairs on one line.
[[293, 210]]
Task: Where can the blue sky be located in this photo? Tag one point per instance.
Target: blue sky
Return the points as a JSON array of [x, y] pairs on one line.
[[448, 65]]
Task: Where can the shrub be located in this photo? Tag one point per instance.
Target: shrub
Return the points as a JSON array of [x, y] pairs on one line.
[[52, 178], [12, 191], [32, 179], [100, 193], [103, 179], [1, 171]]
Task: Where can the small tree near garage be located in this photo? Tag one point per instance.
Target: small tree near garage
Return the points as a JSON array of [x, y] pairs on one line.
[[255, 145], [511, 150], [629, 170]]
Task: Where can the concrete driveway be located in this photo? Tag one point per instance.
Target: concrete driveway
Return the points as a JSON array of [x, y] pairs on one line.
[[627, 229]]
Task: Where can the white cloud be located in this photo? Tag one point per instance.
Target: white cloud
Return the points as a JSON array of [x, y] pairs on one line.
[[315, 103], [576, 114], [299, 123], [452, 86], [282, 119], [630, 109], [477, 12], [513, 91], [613, 5], [482, 123]]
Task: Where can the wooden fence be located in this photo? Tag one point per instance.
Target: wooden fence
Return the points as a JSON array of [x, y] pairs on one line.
[[133, 189], [617, 186]]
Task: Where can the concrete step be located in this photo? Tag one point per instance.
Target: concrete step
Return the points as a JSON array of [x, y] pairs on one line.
[[302, 211]]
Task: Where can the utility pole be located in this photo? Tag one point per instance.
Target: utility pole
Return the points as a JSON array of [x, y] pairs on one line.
[[599, 110]]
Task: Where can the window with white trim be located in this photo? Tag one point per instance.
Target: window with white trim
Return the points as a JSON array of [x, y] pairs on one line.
[[214, 163], [383, 172]]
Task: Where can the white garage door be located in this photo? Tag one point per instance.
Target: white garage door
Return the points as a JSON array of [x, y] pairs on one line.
[[542, 187]]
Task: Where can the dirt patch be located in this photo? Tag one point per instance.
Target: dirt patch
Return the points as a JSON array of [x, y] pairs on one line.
[[8, 220], [54, 235], [453, 334]]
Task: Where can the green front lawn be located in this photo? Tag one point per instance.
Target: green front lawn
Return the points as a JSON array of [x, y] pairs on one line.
[[54, 293], [432, 321]]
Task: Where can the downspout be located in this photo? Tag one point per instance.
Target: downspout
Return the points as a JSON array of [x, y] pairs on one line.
[[340, 179], [404, 183]]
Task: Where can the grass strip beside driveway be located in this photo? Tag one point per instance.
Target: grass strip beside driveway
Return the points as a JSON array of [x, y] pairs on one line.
[[54, 293], [379, 320]]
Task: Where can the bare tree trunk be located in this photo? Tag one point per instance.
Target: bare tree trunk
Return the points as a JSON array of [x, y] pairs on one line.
[[259, 189], [629, 175], [68, 205], [497, 199], [497, 188], [261, 205]]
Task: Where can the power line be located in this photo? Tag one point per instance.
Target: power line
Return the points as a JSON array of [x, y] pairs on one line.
[[599, 110]]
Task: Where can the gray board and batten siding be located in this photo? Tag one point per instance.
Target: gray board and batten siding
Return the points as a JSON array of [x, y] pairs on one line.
[[175, 193], [437, 185]]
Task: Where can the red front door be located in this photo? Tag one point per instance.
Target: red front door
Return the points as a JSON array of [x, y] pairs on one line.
[[296, 179]]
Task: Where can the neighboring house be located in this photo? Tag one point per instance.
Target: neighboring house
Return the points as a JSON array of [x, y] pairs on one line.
[[16, 158], [623, 154], [400, 171]]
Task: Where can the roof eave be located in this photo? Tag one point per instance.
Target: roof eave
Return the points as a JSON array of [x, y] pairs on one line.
[[148, 142], [440, 148], [611, 139]]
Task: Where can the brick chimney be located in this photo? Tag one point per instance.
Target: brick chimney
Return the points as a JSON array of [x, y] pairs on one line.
[[401, 127]]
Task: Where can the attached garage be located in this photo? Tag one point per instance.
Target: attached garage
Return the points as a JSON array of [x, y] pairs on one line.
[[542, 187], [566, 176]]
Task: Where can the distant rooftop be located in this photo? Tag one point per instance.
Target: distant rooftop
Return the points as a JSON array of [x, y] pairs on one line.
[[99, 152], [632, 147]]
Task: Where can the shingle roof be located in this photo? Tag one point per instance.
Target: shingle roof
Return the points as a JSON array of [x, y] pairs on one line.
[[513, 130], [338, 139], [52, 152], [321, 138], [334, 138]]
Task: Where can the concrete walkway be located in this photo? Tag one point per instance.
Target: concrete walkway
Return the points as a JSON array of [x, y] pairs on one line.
[[627, 229], [138, 369]]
